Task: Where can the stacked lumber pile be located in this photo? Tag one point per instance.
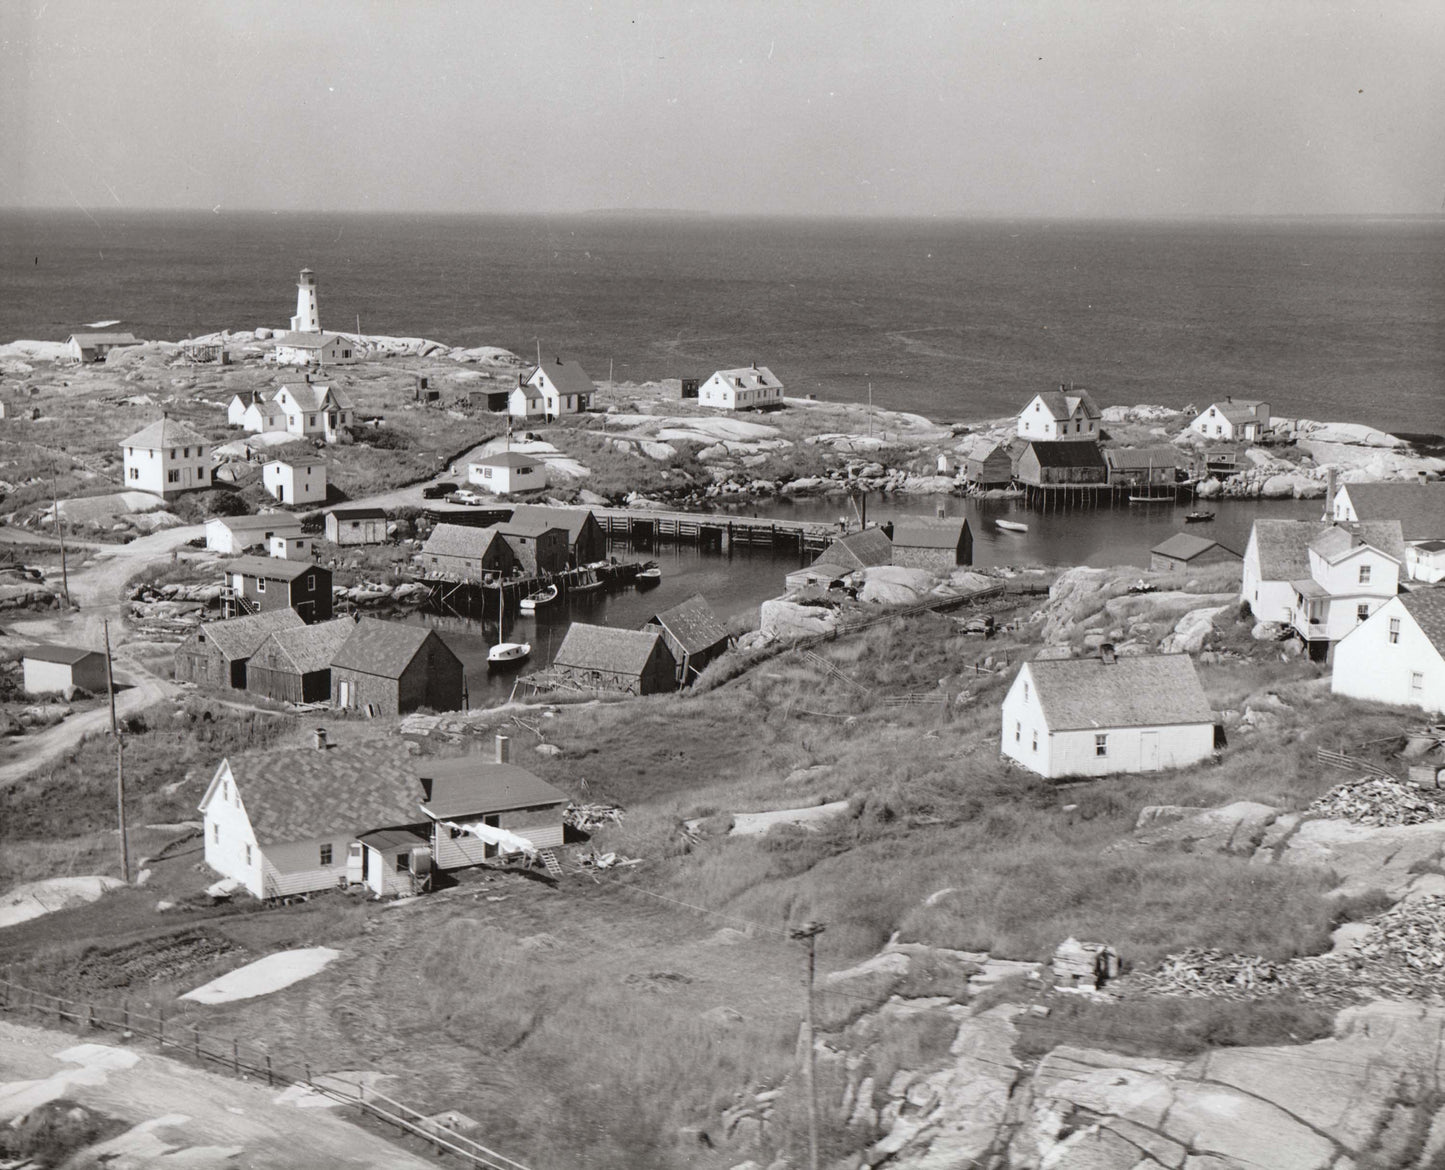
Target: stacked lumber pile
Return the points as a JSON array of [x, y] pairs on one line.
[[1380, 802]]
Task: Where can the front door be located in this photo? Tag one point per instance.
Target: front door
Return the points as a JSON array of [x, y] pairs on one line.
[[344, 693], [1149, 751], [186, 476], [355, 863]]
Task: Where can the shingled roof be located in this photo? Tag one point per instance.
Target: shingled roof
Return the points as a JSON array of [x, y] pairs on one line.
[[692, 624], [48, 652], [1419, 507], [572, 519], [858, 550], [1140, 458], [460, 540], [606, 649], [1283, 545], [307, 649], [508, 459], [1068, 453], [1337, 541], [1062, 403], [945, 533], [239, 637], [299, 794], [530, 525], [473, 786], [1183, 546], [1427, 607], [165, 432], [270, 568], [1138, 691], [567, 376], [382, 648]]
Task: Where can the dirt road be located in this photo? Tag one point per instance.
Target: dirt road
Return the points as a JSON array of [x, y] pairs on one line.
[[179, 1115]]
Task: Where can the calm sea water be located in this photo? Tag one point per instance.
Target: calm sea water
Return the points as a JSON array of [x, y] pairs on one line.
[[1334, 319]]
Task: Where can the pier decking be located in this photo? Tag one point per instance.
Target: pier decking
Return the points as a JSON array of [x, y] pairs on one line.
[[645, 526]]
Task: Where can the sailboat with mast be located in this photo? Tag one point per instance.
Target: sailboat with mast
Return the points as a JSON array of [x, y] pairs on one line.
[[505, 653]]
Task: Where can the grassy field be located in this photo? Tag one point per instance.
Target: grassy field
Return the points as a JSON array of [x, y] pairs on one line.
[[588, 1022]]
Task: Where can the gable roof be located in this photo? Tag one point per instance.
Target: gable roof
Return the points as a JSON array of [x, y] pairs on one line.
[[49, 652], [300, 460], [946, 533], [507, 459], [1137, 691], [239, 637], [984, 454], [1063, 402], [473, 785], [1283, 545], [753, 377], [383, 648], [298, 794], [604, 648], [315, 396], [1427, 607], [358, 513], [165, 432], [84, 339], [307, 649], [528, 391], [858, 550], [1419, 507], [1067, 453], [574, 520], [300, 340], [1237, 411], [692, 624], [567, 376], [460, 540], [530, 525], [261, 522], [1140, 458], [1184, 546], [1336, 542], [271, 568]]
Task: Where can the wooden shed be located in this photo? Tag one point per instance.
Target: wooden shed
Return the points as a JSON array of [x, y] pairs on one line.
[[1184, 550], [467, 553], [586, 541], [390, 668], [51, 669], [216, 653], [264, 584], [294, 665], [989, 467], [631, 662], [939, 546], [538, 542], [1141, 466], [356, 526], [693, 635], [1054, 463]]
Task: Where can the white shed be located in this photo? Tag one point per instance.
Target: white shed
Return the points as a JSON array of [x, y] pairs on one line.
[[54, 669], [295, 479], [1098, 716], [1397, 655], [233, 535], [508, 471]]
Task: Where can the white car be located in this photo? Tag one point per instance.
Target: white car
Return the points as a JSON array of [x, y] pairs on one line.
[[465, 496]]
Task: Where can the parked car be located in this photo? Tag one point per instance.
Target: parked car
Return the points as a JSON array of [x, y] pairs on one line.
[[465, 496], [980, 625], [438, 491]]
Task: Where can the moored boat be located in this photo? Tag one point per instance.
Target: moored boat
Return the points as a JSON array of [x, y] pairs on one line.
[[505, 653], [649, 574], [1198, 517], [542, 597], [1011, 525]]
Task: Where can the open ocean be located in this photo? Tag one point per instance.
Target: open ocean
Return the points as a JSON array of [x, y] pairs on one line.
[[1340, 319]]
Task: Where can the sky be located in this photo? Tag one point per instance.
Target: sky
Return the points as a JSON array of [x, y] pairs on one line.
[[1060, 108]]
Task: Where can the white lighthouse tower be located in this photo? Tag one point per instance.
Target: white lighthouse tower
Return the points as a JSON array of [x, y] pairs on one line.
[[307, 319]]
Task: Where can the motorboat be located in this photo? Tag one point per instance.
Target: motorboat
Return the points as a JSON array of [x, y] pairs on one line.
[[649, 574], [1011, 525], [1198, 517], [532, 601]]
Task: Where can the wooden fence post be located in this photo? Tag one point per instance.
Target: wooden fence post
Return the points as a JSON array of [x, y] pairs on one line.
[[196, 1036], [270, 1077], [90, 1020]]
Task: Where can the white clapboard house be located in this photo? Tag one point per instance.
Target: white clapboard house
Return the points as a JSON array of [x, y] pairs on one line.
[[1398, 654], [1097, 716]]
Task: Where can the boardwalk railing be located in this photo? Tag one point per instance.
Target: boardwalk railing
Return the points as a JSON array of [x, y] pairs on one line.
[[1352, 764], [246, 1060]]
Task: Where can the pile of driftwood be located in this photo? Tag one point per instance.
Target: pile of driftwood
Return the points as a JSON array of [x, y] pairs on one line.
[[588, 818], [1381, 802]]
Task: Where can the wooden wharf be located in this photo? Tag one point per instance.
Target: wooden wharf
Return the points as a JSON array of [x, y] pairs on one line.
[[647, 526], [461, 597]]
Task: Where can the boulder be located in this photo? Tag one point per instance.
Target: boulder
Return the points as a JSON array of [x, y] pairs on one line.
[[1233, 828], [1191, 630], [788, 620]]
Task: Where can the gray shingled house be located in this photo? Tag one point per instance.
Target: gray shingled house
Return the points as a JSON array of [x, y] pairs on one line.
[[939, 546], [294, 665], [586, 541], [467, 553], [216, 653], [390, 668], [693, 635]]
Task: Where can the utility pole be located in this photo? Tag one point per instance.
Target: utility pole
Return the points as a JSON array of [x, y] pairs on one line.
[[809, 933], [119, 762], [60, 534]]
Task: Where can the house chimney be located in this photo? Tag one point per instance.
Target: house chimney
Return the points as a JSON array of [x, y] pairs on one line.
[[1329, 493], [321, 739], [425, 789], [503, 746], [1106, 653], [1229, 398]]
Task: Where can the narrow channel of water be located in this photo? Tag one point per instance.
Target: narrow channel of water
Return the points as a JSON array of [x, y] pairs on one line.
[[737, 583]]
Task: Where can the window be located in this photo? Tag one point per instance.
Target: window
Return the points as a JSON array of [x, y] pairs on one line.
[[325, 855], [1101, 745], [402, 863], [1026, 690], [1364, 574], [1036, 741], [135, 473], [310, 420], [1018, 732], [216, 834], [173, 477], [248, 855], [260, 584], [1417, 683], [1362, 611], [173, 452], [1394, 631]]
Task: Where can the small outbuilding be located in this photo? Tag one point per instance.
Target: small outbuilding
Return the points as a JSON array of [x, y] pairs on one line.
[[864, 549], [50, 669], [260, 584], [216, 654], [538, 542], [294, 665], [233, 535], [356, 526], [467, 553], [1141, 466], [1102, 715], [586, 540], [392, 668], [939, 546], [507, 472], [693, 634], [295, 479], [630, 662], [989, 467], [1184, 550], [1059, 463], [93, 347]]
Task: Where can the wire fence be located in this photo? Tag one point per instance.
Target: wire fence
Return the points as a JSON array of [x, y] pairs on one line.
[[245, 1060]]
